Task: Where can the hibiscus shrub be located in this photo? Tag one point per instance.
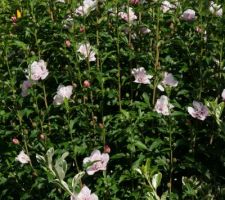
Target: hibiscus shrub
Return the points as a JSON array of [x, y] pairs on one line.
[[112, 99]]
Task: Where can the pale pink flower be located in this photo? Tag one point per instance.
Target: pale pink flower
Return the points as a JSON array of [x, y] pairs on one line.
[[25, 86], [141, 76], [23, 158], [97, 160], [163, 106], [129, 17], [85, 50], [160, 87], [84, 194], [188, 15], [62, 93], [216, 9], [223, 94], [167, 6], [145, 30], [198, 110], [168, 80], [37, 70], [88, 5]]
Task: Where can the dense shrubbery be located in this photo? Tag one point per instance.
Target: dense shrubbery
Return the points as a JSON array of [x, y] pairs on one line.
[[123, 98]]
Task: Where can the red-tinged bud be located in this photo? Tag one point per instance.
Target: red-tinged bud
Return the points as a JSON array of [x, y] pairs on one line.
[[134, 2], [67, 43], [13, 18], [15, 141], [86, 84], [82, 29], [107, 149]]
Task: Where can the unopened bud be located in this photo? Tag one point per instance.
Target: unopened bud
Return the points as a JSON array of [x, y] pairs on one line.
[[15, 141], [13, 18], [94, 118], [107, 149], [42, 136], [101, 125], [68, 43], [86, 84], [172, 26], [82, 29], [168, 185], [134, 2]]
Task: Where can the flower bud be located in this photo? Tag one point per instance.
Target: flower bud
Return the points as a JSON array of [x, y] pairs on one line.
[[42, 136], [13, 18], [95, 118], [174, 160], [198, 29], [107, 149], [101, 125], [68, 43], [82, 29], [168, 185], [15, 141], [86, 84], [134, 2]]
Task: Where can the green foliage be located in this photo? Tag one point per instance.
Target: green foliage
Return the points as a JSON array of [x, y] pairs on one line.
[[153, 155]]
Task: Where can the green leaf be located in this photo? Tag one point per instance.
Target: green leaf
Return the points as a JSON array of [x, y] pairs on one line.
[[156, 180], [136, 164], [140, 145], [164, 195], [49, 156], [60, 172], [40, 158], [146, 98], [155, 144], [61, 166], [118, 156], [21, 45], [126, 114], [76, 180]]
